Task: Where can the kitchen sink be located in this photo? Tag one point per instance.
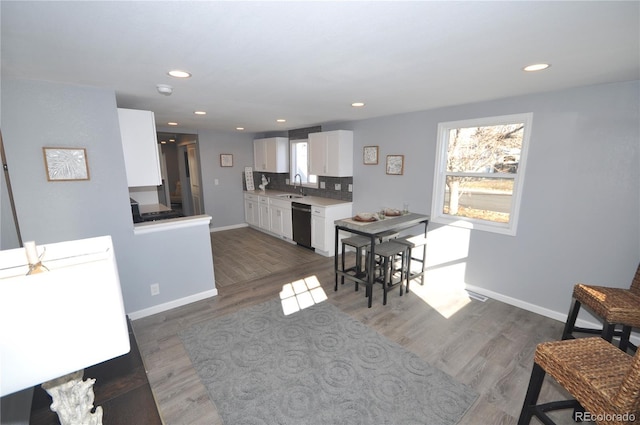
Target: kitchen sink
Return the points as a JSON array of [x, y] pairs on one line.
[[285, 195]]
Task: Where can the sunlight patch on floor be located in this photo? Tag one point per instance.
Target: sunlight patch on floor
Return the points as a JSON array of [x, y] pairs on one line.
[[300, 294], [444, 288], [445, 300]]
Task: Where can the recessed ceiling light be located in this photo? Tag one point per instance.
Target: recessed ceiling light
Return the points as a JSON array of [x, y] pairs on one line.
[[163, 142], [177, 73], [536, 67], [172, 140], [200, 113], [172, 123], [281, 120], [357, 104], [239, 128]]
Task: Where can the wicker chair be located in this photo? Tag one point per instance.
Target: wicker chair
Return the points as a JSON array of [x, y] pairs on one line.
[[604, 381], [616, 306]]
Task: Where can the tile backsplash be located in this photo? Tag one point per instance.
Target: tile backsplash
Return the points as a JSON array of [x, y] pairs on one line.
[[278, 181]]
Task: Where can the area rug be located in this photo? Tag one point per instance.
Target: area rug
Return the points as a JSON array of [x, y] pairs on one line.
[[317, 366]]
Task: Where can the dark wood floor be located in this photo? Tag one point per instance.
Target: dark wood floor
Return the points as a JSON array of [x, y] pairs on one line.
[[486, 345], [121, 388], [261, 256]]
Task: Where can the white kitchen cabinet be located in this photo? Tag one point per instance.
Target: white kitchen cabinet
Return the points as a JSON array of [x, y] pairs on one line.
[[251, 210], [318, 234], [272, 214], [323, 228], [331, 153], [280, 214], [287, 225], [140, 146], [271, 155], [263, 208]]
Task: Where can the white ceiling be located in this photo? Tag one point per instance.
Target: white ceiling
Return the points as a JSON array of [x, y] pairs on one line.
[[254, 62]]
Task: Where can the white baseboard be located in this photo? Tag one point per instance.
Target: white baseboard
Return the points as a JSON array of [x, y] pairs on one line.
[[172, 304], [552, 314], [235, 226]]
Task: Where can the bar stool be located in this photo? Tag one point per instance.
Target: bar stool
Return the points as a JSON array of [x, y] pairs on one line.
[[359, 243], [413, 242], [388, 252], [388, 235], [384, 237], [362, 245]]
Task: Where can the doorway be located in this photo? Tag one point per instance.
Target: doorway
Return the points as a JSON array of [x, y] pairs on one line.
[[181, 175]]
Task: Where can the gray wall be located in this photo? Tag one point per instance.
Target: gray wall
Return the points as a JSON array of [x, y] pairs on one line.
[[224, 202], [8, 228], [580, 212], [37, 114]]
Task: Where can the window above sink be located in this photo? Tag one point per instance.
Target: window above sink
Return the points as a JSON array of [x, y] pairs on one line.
[[300, 165]]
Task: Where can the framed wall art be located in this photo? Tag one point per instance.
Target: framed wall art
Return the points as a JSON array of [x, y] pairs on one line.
[[395, 164], [65, 164], [370, 155], [226, 160]]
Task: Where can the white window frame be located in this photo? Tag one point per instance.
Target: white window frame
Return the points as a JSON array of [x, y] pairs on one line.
[[439, 181], [292, 167]]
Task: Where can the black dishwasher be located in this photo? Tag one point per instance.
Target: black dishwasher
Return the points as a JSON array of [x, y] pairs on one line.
[[301, 216]]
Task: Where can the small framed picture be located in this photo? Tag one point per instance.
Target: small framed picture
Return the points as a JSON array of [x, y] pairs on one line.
[[226, 160], [370, 155], [395, 164], [65, 164]]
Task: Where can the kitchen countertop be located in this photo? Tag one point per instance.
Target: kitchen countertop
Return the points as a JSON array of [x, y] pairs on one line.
[[171, 224], [317, 201], [151, 208]]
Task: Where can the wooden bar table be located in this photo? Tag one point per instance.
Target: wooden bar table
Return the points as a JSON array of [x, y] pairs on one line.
[[373, 230]]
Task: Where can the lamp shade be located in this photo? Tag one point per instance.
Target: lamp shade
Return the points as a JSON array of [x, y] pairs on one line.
[[62, 320]]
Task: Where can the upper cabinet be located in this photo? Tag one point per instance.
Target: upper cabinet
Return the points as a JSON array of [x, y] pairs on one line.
[[271, 155], [331, 153], [140, 146]]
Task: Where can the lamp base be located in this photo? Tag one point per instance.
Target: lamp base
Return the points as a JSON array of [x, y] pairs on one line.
[[73, 399]]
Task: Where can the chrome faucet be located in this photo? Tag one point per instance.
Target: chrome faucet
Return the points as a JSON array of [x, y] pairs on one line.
[[294, 183]]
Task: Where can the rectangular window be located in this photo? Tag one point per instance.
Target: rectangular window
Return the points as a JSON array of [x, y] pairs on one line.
[[480, 171], [300, 164]]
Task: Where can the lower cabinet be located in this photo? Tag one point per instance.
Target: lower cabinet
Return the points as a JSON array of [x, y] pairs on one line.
[[268, 214], [318, 233], [273, 215], [280, 213], [251, 210], [322, 227], [263, 208]]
